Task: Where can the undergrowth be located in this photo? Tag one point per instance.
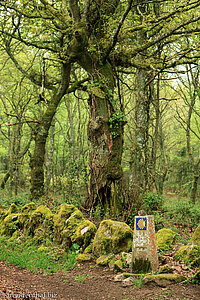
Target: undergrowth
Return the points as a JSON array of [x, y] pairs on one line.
[[47, 260]]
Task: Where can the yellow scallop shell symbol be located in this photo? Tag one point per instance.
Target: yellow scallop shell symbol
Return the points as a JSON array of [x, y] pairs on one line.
[[141, 224]]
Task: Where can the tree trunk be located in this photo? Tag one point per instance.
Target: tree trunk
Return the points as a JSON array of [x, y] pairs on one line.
[[105, 133], [37, 160], [140, 165], [194, 189], [49, 162]]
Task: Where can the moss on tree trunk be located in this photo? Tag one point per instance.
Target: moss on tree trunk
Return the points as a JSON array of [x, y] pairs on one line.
[[38, 157]]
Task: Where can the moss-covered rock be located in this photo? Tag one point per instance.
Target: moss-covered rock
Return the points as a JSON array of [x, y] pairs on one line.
[[189, 254], [84, 233], [3, 214], [40, 224], [84, 257], [196, 237], [164, 238], [104, 260], [24, 215], [71, 227], [118, 265], [62, 219], [112, 237], [163, 279], [9, 224], [166, 269], [88, 249]]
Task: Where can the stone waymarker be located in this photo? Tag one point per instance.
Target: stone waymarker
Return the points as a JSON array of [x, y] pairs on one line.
[[144, 249]]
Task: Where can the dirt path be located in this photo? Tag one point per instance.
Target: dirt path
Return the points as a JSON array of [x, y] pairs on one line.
[[95, 284]]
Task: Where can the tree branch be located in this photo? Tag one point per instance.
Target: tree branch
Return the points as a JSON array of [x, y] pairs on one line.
[[114, 41], [74, 8]]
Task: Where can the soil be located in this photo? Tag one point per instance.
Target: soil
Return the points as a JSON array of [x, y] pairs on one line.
[[85, 282]]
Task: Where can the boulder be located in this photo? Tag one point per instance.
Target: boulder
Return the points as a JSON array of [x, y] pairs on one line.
[[196, 236], [164, 238], [40, 224], [166, 269], [163, 280], [188, 254], [84, 257], [25, 214], [9, 224], [104, 260], [70, 227], [112, 237]]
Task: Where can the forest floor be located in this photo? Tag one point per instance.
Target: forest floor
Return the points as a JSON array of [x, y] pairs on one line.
[[85, 282]]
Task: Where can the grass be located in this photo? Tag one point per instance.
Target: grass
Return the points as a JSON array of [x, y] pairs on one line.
[[81, 277], [137, 282], [27, 255], [180, 215]]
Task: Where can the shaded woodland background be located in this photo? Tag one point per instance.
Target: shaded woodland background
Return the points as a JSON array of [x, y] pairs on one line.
[[100, 101]]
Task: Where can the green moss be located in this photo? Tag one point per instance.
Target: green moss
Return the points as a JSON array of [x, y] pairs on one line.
[[12, 209], [118, 265], [62, 219], [84, 257], [196, 236], [70, 227], [24, 216], [42, 249], [112, 237], [127, 275], [41, 216], [9, 225], [164, 238], [104, 260], [188, 254], [14, 236], [196, 277], [166, 269], [28, 207], [84, 233], [141, 265], [88, 249], [173, 278]]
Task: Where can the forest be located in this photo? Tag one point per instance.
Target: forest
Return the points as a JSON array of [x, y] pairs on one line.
[[99, 120], [100, 100]]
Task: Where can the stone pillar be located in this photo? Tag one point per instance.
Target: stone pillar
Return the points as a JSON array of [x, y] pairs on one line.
[[144, 249]]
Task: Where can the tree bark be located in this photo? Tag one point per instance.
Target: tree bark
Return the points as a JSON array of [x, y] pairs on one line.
[[37, 160], [49, 161], [105, 133]]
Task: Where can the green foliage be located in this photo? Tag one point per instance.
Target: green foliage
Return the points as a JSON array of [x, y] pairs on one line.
[[25, 254], [137, 282], [151, 202], [181, 210], [114, 121], [20, 200]]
